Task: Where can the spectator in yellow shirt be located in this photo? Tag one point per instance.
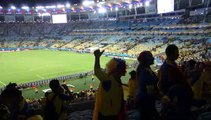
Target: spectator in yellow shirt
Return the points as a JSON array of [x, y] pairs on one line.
[[109, 101]]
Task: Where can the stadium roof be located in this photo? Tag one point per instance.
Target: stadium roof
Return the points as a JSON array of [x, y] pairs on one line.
[[61, 7], [31, 3]]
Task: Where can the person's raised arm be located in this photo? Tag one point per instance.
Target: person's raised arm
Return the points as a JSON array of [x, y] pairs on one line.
[[97, 68], [97, 54]]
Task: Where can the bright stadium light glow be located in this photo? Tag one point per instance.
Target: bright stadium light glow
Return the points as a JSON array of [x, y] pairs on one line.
[[82, 8], [39, 7], [13, 7], [130, 6], [60, 6], [102, 10], [25, 7], [52, 6], [46, 14], [139, 5], [39, 14], [91, 7], [87, 3], [1, 7], [116, 8], [68, 5], [147, 3]]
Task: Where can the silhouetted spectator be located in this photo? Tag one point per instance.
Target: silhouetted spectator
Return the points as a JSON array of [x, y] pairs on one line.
[[13, 99], [169, 73], [54, 106], [147, 87], [132, 85]]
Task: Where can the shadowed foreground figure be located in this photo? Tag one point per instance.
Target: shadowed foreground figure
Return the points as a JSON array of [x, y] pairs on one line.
[[132, 85], [173, 84], [147, 87], [54, 108], [15, 104]]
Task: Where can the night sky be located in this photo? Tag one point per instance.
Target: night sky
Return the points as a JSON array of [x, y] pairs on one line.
[[19, 3]]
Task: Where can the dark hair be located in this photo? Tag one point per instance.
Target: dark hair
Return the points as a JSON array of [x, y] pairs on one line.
[[143, 58], [11, 86], [143, 55], [121, 64], [170, 49], [54, 84]]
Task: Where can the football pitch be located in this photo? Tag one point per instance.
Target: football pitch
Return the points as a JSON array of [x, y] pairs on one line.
[[34, 65]]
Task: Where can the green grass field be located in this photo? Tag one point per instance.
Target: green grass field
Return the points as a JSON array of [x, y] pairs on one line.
[[33, 65]]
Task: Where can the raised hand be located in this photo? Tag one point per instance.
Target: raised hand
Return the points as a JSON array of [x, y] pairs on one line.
[[98, 53]]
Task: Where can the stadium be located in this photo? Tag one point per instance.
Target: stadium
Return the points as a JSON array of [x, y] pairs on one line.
[[45, 40]]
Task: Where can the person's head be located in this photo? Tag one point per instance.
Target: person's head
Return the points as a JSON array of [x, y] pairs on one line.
[[172, 52], [11, 95], [11, 86], [55, 86], [133, 74], [116, 67], [146, 58]]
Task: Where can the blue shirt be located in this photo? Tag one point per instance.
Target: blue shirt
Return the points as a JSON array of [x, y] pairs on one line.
[[146, 77]]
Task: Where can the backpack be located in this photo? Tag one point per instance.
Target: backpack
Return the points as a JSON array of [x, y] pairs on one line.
[[50, 110]]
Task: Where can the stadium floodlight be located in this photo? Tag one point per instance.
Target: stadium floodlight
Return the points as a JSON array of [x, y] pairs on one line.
[[130, 6], [60, 6], [25, 7], [67, 5], [94, 12], [73, 9], [49, 7], [40, 7], [1, 7], [13, 7], [87, 3], [116, 8], [46, 14], [39, 14], [111, 9], [82, 8], [147, 3], [102, 10]]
